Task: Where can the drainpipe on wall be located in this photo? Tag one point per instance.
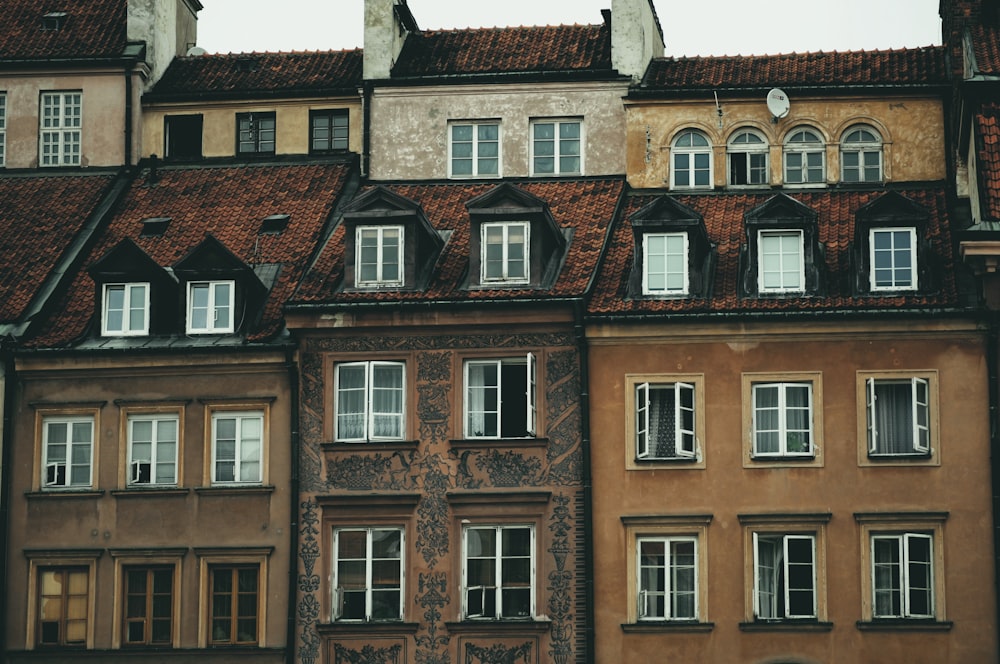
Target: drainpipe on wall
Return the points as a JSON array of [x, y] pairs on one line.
[[992, 355], [366, 125], [6, 441], [128, 116], [580, 333], [293, 491]]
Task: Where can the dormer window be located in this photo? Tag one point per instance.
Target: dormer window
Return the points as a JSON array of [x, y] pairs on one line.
[[893, 258], [210, 307], [379, 255], [673, 256], [125, 310], [505, 252], [783, 254], [664, 263], [780, 261], [53, 20], [890, 253]]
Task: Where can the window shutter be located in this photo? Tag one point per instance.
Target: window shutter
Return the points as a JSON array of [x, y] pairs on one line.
[[531, 391], [643, 604], [921, 416], [642, 420], [872, 428], [756, 575], [684, 410], [338, 603], [789, 575]]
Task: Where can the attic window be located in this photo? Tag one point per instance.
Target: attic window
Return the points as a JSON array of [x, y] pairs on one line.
[[274, 223], [154, 226], [247, 64], [53, 20]]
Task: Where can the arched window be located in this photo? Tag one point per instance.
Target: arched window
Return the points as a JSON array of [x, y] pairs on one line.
[[747, 154], [805, 157], [691, 157], [861, 155]]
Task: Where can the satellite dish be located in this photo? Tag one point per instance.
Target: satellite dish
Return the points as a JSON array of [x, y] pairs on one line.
[[196, 50], [777, 103]]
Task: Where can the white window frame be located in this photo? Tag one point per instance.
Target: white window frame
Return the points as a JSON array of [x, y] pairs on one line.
[[684, 145], [73, 448], [796, 144], [3, 129], [476, 143], [214, 323], [783, 430], [920, 434], [241, 457], [904, 587], [893, 253], [740, 148], [783, 255], [505, 244], [369, 411], [560, 146], [135, 296], [154, 461], [861, 141], [472, 610], [687, 446], [380, 261], [531, 395], [668, 256], [670, 570], [60, 128], [369, 590], [758, 585]]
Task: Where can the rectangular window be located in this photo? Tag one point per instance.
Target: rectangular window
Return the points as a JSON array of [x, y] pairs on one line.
[[237, 448], [804, 167], [152, 449], [555, 147], [67, 452], [780, 262], [126, 310], [61, 125], [379, 256], [234, 604], [500, 398], [668, 573], [782, 419], [255, 133], [474, 150], [665, 421], [368, 574], [183, 136], [370, 401], [898, 416], [902, 575], [148, 606], [328, 131], [893, 258], [3, 129], [63, 604], [505, 252], [498, 572], [747, 168], [665, 263], [784, 576], [210, 307]]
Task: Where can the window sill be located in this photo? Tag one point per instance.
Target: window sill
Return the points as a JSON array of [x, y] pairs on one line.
[[905, 625], [151, 492], [506, 443], [786, 626], [387, 627], [236, 490], [653, 627], [908, 456], [376, 446], [64, 493], [666, 460], [511, 625]]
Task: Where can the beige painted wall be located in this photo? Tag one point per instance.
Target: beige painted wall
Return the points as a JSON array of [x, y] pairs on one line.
[[410, 125], [912, 129]]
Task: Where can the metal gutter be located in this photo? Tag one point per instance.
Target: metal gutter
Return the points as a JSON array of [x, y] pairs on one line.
[[6, 446]]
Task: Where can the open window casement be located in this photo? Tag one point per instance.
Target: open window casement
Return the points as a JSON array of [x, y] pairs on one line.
[[55, 473], [475, 602], [338, 603], [919, 418], [921, 415], [532, 394], [141, 472], [683, 420]]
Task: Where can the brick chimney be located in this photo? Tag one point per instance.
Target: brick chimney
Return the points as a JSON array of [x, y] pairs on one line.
[[636, 36]]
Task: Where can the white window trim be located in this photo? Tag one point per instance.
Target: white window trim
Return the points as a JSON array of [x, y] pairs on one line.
[[505, 279], [59, 136], [557, 154], [785, 538], [239, 416], [211, 327], [67, 464], [668, 569], [903, 541], [379, 280], [804, 149], [743, 151], [861, 148], [337, 590], [913, 259], [646, 290], [916, 405], [475, 149], [127, 292], [680, 433], [531, 395], [132, 463], [498, 573], [783, 417], [801, 262], [691, 170], [369, 406]]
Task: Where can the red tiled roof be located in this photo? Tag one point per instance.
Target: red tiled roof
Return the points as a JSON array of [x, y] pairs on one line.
[[987, 122], [912, 66], [229, 203], [93, 29], [250, 74], [563, 48], [723, 215], [39, 217], [986, 48], [586, 206]]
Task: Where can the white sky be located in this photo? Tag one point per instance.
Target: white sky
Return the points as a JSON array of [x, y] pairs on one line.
[[698, 27]]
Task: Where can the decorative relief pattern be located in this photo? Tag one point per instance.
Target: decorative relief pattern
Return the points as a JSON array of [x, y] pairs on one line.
[[510, 468], [432, 597], [498, 654], [308, 609], [367, 655], [561, 581]]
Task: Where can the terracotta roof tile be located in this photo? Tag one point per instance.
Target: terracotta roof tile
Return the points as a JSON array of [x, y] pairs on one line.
[[986, 48], [723, 215], [564, 48], [39, 217], [229, 203], [256, 74], [93, 29], [987, 122], [915, 66]]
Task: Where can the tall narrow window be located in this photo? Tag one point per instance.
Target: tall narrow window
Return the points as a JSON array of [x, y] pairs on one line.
[[902, 575], [505, 252], [805, 158], [692, 161], [499, 572], [780, 262], [152, 441], [67, 452], [370, 401], [784, 576], [747, 153], [474, 150], [210, 307], [668, 576], [149, 606], [665, 417], [379, 256], [898, 416], [3, 129], [665, 263], [368, 574], [328, 131], [61, 126], [63, 604], [782, 419], [555, 147], [255, 133], [234, 604], [126, 310], [500, 398], [237, 448], [861, 155], [893, 258]]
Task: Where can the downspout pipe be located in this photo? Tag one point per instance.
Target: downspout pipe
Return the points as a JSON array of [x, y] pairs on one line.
[[7, 443], [580, 333], [293, 498], [992, 357], [366, 127], [128, 116]]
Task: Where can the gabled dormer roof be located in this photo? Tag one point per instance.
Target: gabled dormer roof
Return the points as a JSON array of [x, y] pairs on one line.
[[126, 261], [781, 210], [894, 208], [382, 203], [31, 30], [211, 259]]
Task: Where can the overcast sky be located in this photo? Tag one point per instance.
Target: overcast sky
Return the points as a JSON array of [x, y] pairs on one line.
[[701, 27]]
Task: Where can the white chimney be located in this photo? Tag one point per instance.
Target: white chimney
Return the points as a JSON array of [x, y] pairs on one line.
[[168, 28], [636, 36], [387, 22]]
